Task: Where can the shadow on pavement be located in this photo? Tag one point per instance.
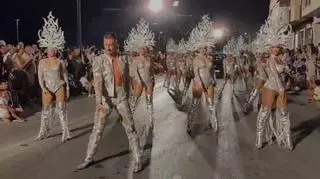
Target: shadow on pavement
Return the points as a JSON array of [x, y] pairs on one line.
[[76, 129], [304, 129], [120, 154]]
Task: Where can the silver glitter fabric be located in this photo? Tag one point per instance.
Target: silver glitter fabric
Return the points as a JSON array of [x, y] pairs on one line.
[[140, 69], [278, 124], [52, 78], [201, 69], [117, 100]]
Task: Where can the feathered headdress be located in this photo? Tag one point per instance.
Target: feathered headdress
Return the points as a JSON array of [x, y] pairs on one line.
[[241, 45], [51, 34], [202, 35], [171, 46], [277, 29], [230, 47], [140, 37], [129, 45], [259, 42], [182, 47]]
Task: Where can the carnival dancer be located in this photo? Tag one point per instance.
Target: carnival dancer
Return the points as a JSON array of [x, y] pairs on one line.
[[260, 74], [278, 33], [203, 82], [181, 64], [242, 61], [142, 39], [53, 78], [170, 80], [229, 65], [311, 72], [189, 71], [110, 75]]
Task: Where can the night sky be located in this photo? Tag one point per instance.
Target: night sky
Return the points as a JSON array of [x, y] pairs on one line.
[[238, 15]]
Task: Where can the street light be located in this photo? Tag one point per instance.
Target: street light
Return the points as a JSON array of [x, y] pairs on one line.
[[79, 24], [17, 29], [218, 33], [175, 3], [156, 5]]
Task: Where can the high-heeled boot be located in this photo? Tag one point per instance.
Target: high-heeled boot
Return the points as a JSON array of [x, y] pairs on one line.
[[62, 114], [45, 124], [192, 114], [213, 117], [285, 120], [263, 115]]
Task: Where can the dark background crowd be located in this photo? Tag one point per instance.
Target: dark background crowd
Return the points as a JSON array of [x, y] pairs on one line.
[[19, 67]]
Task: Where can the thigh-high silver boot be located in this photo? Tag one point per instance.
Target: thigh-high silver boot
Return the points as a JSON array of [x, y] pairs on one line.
[[133, 103], [149, 102], [166, 82], [46, 122], [252, 96], [95, 137], [256, 103], [186, 86], [61, 112], [173, 82], [285, 129], [213, 117], [177, 82], [193, 113], [263, 115], [128, 124], [148, 124]]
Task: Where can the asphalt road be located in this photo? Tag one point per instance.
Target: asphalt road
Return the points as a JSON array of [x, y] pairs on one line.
[[173, 154]]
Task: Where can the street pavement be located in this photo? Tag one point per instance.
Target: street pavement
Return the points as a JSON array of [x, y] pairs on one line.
[[172, 153]]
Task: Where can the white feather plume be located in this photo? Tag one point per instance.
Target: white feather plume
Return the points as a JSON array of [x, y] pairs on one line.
[[259, 43], [277, 29], [230, 47], [51, 35], [140, 37], [171, 46], [182, 46], [202, 35], [241, 45]]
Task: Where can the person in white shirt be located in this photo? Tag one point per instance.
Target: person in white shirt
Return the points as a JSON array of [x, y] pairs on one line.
[[87, 85]]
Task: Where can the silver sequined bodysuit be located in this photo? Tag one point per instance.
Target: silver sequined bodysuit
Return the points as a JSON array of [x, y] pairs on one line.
[[51, 78], [201, 70], [229, 67], [141, 70], [273, 71]]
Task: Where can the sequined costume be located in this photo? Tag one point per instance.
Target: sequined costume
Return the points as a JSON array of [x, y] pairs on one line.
[[275, 122], [141, 40], [182, 65], [141, 72], [111, 95], [203, 82], [53, 79], [189, 72], [170, 81], [54, 83], [260, 78]]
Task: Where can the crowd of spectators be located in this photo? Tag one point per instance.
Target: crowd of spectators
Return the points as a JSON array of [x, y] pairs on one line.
[[19, 80], [297, 61]]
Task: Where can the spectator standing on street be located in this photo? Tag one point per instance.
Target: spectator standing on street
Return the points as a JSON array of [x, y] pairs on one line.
[[311, 71]]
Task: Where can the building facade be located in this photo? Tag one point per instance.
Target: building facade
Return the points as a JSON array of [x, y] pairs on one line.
[[305, 20]]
